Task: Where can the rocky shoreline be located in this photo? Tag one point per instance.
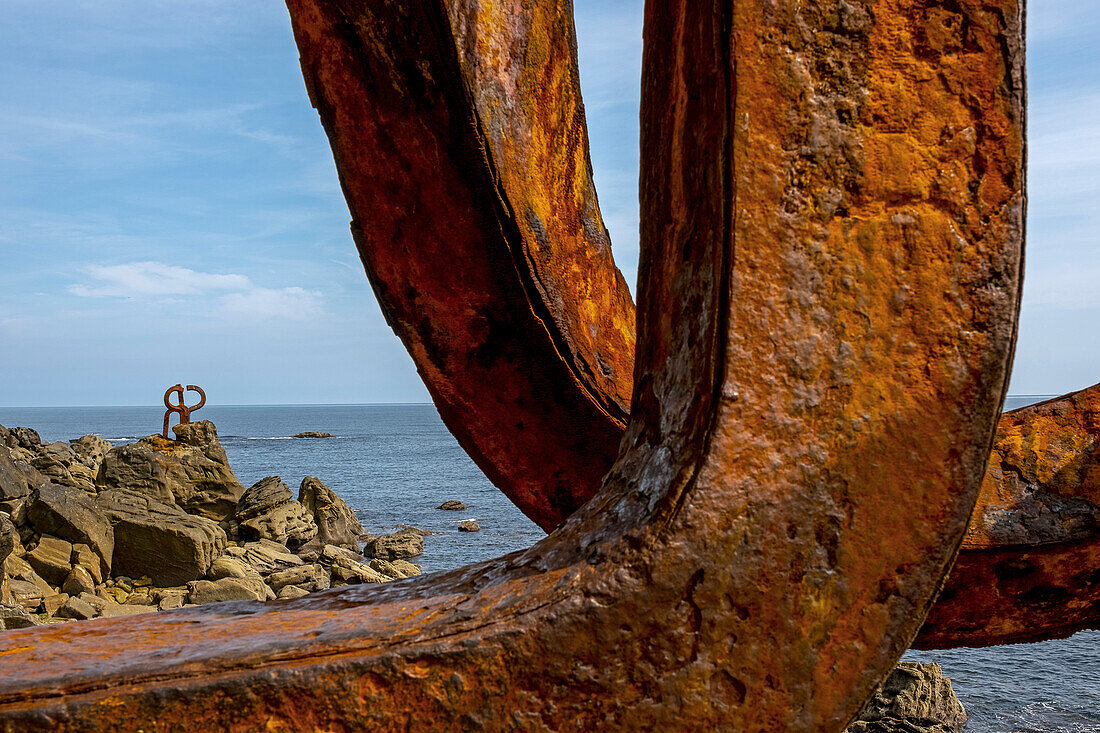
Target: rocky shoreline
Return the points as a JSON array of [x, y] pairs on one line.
[[88, 530]]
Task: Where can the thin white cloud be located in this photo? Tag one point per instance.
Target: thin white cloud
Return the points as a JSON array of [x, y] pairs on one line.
[[154, 279], [230, 296], [296, 304]]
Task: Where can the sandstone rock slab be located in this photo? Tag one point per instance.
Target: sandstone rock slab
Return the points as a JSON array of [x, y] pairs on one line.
[[268, 510], [191, 471], [160, 540], [69, 513], [398, 545], [52, 559], [335, 520]]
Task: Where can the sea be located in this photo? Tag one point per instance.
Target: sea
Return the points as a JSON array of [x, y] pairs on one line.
[[394, 464]]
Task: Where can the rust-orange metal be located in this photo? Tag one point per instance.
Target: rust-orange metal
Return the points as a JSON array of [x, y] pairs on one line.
[[1030, 565], [811, 415], [180, 408]]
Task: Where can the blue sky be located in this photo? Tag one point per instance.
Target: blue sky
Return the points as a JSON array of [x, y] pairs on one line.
[[169, 210]]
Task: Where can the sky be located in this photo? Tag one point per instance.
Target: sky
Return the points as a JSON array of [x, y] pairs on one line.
[[170, 212]]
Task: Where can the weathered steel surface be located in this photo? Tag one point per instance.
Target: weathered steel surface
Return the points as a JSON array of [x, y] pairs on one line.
[[811, 416], [1030, 565], [182, 409], [476, 218]]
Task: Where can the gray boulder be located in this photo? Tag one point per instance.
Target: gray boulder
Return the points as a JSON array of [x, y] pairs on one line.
[[915, 698], [160, 540], [336, 522], [268, 510], [15, 617], [191, 471], [26, 594], [17, 477], [69, 513], [9, 537], [398, 545]]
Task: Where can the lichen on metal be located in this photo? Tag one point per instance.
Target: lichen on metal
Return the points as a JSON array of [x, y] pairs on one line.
[[824, 333]]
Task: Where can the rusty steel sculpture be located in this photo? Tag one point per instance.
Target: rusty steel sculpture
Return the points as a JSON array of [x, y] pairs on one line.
[[756, 495], [180, 408]]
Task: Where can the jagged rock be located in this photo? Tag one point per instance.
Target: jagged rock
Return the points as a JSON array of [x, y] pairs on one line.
[[28, 595], [469, 526], [313, 434], [230, 567], [127, 609], [160, 540], [20, 437], [15, 617], [309, 577], [19, 569], [452, 505], [52, 559], [351, 572], [265, 556], [52, 603], [268, 510], [401, 544], [915, 698], [226, 589], [89, 559], [191, 471], [291, 592], [9, 537], [90, 450], [336, 522], [404, 566], [69, 513], [169, 602], [78, 581], [393, 569], [78, 609]]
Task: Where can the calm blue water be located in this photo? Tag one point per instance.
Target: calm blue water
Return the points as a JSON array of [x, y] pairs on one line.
[[395, 463]]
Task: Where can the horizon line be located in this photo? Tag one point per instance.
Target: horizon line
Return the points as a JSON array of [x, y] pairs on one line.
[[321, 404]]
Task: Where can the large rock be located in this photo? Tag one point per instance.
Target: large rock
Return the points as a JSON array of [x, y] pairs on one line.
[[268, 511], [28, 595], [401, 544], [191, 471], [915, 698], [265, 556], [52, 559], [15, 617], [307, 577], [336, 522], [17, 476], [160, 540], [227, 589], [60, 464], [69, 513], [9, 537], [90, 450]]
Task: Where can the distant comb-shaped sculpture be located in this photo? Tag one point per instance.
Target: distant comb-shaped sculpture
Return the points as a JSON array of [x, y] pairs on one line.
[[832, 207]]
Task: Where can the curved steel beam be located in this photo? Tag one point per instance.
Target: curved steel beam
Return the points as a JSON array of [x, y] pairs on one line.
[[477, 222], [778, 519], [1030, 566]]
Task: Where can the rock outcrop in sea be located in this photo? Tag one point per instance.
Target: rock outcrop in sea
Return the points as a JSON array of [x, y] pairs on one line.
[[915, 698], [87, 530]]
